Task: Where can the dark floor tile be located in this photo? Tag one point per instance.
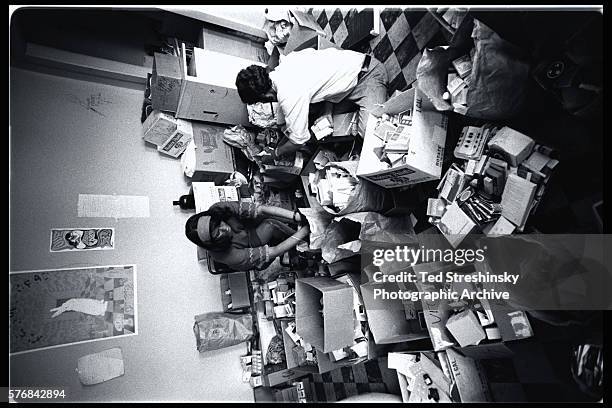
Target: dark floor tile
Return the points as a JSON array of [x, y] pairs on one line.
[[406, 51], [383, 49], [320, 391], [340, 391], [322, 20], [389, 16], [397, 84], [363, 388], [414, 16], [326, 377], [347, 374], [373, 371], [335, 20]]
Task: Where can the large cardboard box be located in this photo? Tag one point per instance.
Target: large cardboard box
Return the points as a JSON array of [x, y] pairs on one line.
[[387, 318], [166, 82], [426, 146], [208, 90], [232, 44], [331, 329], [214, 157]]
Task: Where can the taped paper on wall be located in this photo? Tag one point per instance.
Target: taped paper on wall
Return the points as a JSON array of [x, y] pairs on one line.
[[81, 239], [100, 367], [113, 206]]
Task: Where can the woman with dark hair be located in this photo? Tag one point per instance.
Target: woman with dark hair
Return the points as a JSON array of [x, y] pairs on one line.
[[245, 236]]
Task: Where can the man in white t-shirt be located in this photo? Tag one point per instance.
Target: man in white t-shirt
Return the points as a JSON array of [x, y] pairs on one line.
[[311, 76]]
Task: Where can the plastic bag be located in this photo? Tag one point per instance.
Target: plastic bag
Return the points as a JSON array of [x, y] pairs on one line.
[[318, 222], [239, 137], [276, 351], [218, 330], [188, 159], [363, 232], [263, 114], [498, 80], [366, 196], [278, 31]]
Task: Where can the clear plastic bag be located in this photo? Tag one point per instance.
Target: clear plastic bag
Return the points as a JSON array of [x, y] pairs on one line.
[[218, 330]]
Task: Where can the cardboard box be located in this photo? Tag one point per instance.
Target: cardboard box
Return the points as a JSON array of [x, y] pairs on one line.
[[232, 44], [304, 34], [178, 141], [469, 377], [426, 146], [158, 127], [514, 145], [166, 82], [387, 319], [466, 328], [208, 90], [333, 328], [214, 157]]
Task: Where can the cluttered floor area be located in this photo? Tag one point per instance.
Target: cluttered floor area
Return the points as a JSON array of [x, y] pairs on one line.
[[491, 127]]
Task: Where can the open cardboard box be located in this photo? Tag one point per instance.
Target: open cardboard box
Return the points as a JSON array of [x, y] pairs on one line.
[[426, 146], [214, 158], [332, 329], [208, 90], [166, 82], [387, 318]]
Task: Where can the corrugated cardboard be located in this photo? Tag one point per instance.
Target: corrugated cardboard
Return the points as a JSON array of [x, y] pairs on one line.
[[387, 319], [426, 147], [469, 377], [158, 127], [214, 158], [178, 141], [333, 329], [166, 82], [208, 90], [236, 45]]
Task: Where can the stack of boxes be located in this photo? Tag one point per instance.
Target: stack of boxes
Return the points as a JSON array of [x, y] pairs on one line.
[[501, 181]]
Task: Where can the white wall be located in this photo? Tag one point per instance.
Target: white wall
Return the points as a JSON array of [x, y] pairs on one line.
[[60, 149]]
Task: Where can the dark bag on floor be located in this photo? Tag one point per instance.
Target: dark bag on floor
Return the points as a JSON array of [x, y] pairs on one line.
[[498, 80]]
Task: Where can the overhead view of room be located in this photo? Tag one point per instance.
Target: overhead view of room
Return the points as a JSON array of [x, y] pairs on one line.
[[306, 204]]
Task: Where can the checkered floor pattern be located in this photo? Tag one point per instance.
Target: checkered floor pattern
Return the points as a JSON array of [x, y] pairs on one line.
[[403, 34], [366, 377]]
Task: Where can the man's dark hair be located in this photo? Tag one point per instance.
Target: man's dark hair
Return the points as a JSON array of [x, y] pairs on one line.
[[252, 83]]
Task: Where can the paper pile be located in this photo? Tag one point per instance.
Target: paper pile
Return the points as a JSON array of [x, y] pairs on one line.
[[458, 82], [333, 184]]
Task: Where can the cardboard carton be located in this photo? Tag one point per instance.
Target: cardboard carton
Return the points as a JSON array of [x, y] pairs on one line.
[[208, 90], [178, 141], [166, 82], [232, 44], [386, 318], [332, 328], [158, 127], [469, 377], [423, 161], [214, 158]]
